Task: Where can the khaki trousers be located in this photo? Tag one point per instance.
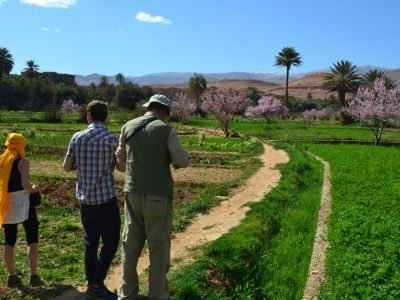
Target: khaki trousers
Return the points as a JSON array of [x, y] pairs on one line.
[[146, 217]]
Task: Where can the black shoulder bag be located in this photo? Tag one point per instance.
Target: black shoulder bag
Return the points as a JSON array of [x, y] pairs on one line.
[[35, 199], [147, 122]]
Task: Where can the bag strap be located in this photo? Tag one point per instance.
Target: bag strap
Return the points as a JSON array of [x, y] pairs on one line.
[[147, 122]]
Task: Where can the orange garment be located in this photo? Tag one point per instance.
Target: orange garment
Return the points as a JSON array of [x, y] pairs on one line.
[[15, 146]]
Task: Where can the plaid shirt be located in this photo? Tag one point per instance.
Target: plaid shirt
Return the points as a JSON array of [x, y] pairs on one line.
[[92, 151]]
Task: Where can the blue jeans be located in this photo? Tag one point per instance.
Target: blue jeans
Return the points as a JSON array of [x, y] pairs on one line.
[[100, 221]]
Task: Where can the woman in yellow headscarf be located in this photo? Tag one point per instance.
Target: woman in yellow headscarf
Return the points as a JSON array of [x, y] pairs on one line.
[[15, 187]]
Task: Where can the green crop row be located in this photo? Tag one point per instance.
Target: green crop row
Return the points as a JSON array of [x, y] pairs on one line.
[[364, 233]]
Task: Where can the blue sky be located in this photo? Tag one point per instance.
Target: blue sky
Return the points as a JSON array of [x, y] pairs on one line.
[[138, 37]]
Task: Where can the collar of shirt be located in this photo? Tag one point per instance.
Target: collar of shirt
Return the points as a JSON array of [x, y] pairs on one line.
[[97, 125], [151, 113]]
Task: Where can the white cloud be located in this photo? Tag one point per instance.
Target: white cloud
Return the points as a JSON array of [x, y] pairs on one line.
[[145, 17], [51, 3], [47, 29], [2, 1]]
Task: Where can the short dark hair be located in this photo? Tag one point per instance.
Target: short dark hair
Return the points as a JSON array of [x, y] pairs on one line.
[[98, 110]]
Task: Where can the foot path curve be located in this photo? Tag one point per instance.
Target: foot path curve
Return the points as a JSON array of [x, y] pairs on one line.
[[218, 221]]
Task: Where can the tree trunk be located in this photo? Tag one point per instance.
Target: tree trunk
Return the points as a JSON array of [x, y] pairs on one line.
[[344, 118], [287, 88]]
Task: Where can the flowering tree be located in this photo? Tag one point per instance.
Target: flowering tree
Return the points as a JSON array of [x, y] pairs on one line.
[[317, 114], [268, 107], [69, 106], [376, 107], [224, 103], [182, 107]]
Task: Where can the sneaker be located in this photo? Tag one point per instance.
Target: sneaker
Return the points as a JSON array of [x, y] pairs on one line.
[[35, 281], [14, 281], [100, 292]]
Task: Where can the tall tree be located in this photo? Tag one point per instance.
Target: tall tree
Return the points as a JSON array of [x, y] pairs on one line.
[[197, 85], [343, 78], [224, 103], [120, 78], [6, 62], [288, 57], [376, 107], [267, 107], [31, 72], [182, 107], [103, 82], [369, 78]]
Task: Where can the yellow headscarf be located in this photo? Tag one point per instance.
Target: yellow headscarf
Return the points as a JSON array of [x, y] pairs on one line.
[[15, 146]]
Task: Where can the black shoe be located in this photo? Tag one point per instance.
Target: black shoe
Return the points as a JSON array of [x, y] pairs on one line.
[[35, 281], [100, 292], [14, 281]]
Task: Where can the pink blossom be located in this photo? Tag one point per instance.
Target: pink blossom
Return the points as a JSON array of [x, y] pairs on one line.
[[317, 114], [224, 103], [268, 107], [182, 107], [376, 107], [69, 106]]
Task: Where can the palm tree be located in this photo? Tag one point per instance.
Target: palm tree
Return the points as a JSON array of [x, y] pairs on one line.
[[120, 78], [103, 82], [31, 71], [343, 78], [197, 85], [369, 78], [6, 62], [286, 58]]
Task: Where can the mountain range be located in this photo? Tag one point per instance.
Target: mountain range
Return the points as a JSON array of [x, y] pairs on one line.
[[177, 78]]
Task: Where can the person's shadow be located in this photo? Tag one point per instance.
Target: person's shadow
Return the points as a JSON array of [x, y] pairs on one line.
[[51, 292]]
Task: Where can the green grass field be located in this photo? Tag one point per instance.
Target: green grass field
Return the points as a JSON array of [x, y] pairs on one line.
[[364, 232], [269, 253], [294, 132]]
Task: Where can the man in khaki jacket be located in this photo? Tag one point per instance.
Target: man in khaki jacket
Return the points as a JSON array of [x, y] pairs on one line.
[[147, 148]]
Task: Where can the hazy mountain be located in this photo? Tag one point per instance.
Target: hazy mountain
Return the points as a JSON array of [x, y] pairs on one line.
[[394, 74], [178, 78], [171, 78]]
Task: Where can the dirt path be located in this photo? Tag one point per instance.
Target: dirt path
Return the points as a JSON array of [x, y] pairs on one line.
[[192, 174], [219, 220], [316, 273]]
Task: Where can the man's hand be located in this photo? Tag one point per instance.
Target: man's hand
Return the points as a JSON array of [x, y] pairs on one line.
[[35, 188]]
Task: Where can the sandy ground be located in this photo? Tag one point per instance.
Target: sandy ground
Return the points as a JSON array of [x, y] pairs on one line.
[[208, 227], [195, 175]]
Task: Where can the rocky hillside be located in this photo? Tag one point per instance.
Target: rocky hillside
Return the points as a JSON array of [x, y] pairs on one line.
[[307, 87]]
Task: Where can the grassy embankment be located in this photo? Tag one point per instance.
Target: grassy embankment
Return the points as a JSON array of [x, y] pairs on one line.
[[267, 256]]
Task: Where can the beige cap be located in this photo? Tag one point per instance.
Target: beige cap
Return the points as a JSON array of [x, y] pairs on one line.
[[160, 99]]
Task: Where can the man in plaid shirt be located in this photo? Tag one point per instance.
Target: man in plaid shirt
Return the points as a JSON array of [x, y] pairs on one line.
[[91, 153]]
